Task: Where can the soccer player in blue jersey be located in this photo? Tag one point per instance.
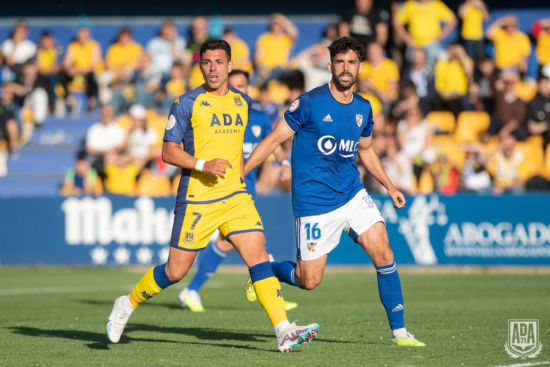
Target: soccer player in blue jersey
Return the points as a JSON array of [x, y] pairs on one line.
[[258, 128], [331, 125]]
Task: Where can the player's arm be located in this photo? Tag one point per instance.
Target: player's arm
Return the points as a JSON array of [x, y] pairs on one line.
[[267, 146], [370, 160], [174, 155], [282, 158]]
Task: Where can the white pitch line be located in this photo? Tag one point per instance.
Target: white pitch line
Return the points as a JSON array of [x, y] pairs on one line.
[[53, 290], [528, 364]]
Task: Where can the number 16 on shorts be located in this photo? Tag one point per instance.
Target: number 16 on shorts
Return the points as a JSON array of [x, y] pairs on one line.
[[308, 239]]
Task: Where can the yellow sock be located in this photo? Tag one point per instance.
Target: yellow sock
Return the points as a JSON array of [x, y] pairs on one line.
[[147, 287], [270, 296]]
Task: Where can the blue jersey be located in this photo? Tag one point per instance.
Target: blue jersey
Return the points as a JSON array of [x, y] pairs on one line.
[[326, 141], [259, 126]]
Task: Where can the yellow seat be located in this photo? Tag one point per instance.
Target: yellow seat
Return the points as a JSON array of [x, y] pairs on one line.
[[158, 123], [426, 183], [470, 125], [444, 144], [526, 91], [125, 121], [533, 158], [154, 186], [442, 121]]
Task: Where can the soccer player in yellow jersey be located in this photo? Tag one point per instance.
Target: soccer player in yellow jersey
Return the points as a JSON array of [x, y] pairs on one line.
[[210, 121]]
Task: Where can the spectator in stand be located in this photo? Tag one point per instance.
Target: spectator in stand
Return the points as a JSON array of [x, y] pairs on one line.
[[510, 110], [512, 47], [538, 111], [9, 130], [505, 163], [421, 75], [365, 23], [445, 175], [140, 139], [414, 135], [18, 50], [365, 90], [409, 99], [383, 74], [240, 53], [273, 49], [120, 175], [313, 61], [79, 179], [424, 18], [198, 33], [30, 87], [475, 177], [473, 13], [146, 82], [398, 166], [103, 139], [82, 60], [175, 87], [542, 35], [451, 80], [480, 91], [165, 49], [47, 58], [120, 64]]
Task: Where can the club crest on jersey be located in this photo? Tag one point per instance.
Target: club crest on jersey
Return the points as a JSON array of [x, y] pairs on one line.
[[238, 102], [256, 130], [294, 105], [359, 119], [189, 238], [311, 246]]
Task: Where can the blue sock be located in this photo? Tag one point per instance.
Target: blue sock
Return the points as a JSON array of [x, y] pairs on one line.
[[207, 267], [389, 287], [286, 272]]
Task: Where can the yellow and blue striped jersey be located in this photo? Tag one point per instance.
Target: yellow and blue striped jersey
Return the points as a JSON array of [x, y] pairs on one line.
[[210, 126]]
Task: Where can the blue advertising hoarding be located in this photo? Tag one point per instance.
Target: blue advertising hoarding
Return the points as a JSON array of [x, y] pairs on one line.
[[431, 230]]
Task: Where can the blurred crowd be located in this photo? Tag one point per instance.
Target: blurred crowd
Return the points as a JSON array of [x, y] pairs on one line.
[[450, 117]]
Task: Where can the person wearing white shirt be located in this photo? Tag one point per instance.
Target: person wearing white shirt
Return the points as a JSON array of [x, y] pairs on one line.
[[140, 139], [17, 50], [165, 49], [104, 138]]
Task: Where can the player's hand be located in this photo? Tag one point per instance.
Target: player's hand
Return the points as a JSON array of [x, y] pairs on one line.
[[216, 166], [397, 197], [285, 173]]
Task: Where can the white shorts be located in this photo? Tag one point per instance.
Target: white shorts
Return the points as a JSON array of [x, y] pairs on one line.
[[318, 235]]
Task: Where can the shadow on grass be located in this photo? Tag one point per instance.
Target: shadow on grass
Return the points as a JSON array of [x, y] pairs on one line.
[[172, 306], [99, 341]]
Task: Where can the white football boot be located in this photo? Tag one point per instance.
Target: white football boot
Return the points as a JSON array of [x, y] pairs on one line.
[[117, 320], [293, 336], [191, 300]]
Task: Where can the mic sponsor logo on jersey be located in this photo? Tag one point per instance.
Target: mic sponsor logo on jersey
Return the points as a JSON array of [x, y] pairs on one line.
[[346, 148]]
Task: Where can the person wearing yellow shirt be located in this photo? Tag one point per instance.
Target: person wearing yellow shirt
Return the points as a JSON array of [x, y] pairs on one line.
[[424, 18], [543, 46], [120, 63], [82, 60], [240, 53], [512, 47], [273, 49], [175, 87], [451, 80], [473, 13], [47, 58], [121, 175], [383, 75]]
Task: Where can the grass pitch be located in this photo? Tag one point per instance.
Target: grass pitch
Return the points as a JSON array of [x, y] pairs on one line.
[[56, 317]]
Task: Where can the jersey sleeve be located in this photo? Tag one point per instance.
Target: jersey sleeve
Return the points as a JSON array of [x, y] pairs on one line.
[[367, 132], [179, 121], [403, 15], [297, 116], [445, 14]]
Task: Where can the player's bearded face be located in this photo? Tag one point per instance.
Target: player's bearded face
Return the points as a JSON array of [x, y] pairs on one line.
[[215, 68], [344, 69]]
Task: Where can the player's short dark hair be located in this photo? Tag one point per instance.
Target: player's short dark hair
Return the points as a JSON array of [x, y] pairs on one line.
[[215, 44], [343, 45], [236, 72]]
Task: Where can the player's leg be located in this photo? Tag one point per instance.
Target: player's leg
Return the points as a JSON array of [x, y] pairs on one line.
[[245, 231], [366, 227], [213, 256]]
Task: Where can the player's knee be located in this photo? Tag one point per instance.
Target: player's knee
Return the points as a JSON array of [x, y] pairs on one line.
[[310, 284], [383, 257], [175, 275]]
